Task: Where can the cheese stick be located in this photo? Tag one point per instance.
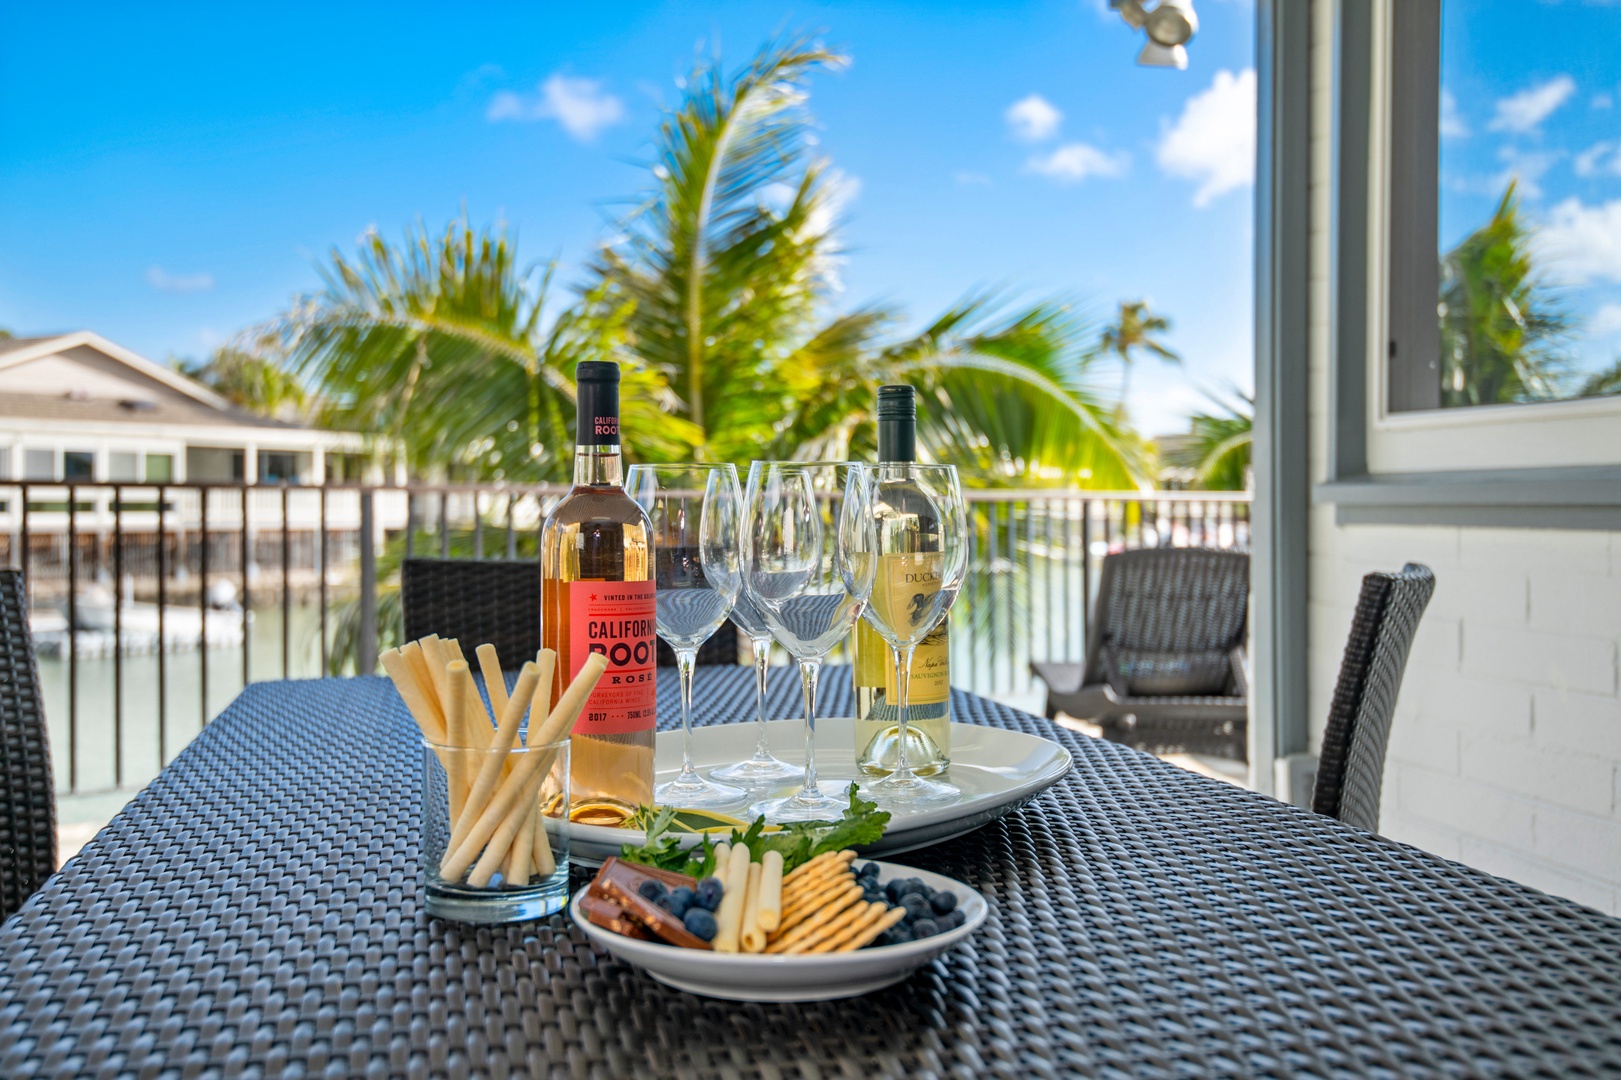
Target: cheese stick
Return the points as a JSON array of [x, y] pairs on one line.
[[723, 851], [729, 919], [489, 772], [770, 905], [752, 938], [533, 767]]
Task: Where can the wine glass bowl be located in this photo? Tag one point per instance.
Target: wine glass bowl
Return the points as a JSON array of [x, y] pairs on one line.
[[919, 551], [694, 512], [808, 571]]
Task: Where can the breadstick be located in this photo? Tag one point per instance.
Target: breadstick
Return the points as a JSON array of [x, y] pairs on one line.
[[544, 862], [752, 938], [832, 937], [515, 871], [870, 934], [506, 830], [427, 718], [455, 735], [489, 772], [433, 651], [533, 767], [495, 683], [540, 704], [831, 910], [729, 919], [770, 905]]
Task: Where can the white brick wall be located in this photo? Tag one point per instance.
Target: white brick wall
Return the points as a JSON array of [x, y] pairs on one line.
[[1506, 748]]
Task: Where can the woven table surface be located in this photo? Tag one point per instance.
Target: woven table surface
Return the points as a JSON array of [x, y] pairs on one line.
[[256, 911]]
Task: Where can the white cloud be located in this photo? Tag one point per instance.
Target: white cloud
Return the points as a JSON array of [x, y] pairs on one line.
[[1582, 242], [1605, 321], [1213, 141], [1452, 124], [1077, 161], [1601, 101], [1591, 162], [1521, 113], [581, 106], [163, 281], [1033, 118], [1525, 169], [972, 179]]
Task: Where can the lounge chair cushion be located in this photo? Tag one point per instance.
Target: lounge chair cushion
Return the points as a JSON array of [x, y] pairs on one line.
[[1150, 673]]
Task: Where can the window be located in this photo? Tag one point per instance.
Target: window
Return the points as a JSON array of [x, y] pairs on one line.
[[123, 465], [1506, 148], [39, 464], [277, 468], [78, 465], [159, 468], [344, 467], [5, 463]]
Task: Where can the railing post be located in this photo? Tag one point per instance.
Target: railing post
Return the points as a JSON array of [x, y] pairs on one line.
[[366, 653]]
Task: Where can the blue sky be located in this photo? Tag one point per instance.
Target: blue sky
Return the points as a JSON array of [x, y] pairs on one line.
[[1532, 91], [170, 174]]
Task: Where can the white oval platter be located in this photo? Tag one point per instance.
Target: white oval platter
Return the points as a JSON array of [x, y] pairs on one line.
[[819, 977], [997, 770]]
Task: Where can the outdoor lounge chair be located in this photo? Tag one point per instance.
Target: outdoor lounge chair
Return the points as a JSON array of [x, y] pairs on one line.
[[1164, 667], [498, 601], [1351, 770], [27, 791]]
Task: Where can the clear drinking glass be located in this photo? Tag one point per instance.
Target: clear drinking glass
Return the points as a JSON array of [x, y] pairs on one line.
[[762, 767], [920, 550], [694, 511], [807, 567]]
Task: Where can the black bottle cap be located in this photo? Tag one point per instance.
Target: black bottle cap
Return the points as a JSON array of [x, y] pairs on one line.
[[897, 403], [596, 384]]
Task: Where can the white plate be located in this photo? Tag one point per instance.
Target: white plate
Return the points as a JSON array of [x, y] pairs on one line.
[[997, 770], [758, 977]]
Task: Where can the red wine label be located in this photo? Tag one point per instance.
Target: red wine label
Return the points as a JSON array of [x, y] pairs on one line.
[[615, 618]]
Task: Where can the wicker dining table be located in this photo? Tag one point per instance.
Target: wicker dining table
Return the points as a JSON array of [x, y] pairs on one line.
[[256, 911]]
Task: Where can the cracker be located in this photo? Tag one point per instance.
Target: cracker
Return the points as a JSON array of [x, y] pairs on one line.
[[871, 933], [829, 911], [833, 938], [810, 903]]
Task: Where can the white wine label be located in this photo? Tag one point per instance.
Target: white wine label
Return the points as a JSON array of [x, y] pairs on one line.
[[615, 618], [903, 597], [931, 670]]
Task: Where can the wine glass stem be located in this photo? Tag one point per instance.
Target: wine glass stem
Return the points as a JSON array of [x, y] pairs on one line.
[[903, 688], [685, 660], [762, 667], [808, 671]]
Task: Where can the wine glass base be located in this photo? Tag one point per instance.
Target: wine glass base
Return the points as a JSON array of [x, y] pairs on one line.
[[814, 806], [695, 793], [758, 770], [914, 791]]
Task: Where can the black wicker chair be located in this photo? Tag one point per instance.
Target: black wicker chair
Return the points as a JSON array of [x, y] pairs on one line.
[[498, 601], [1164, 667], [27, 790], [1351, 770]]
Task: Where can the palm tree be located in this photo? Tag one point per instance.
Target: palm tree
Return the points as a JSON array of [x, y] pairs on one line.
[[727, 265], [1501, 329], [1603, 383], [253, 379], [1136, 327], [1218, 446]]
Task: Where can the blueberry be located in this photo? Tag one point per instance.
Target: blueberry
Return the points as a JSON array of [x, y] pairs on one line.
[[873, 896], [952, 919], [654, 890], [886, 938], [915, 906], [679, 902], [700, 923], [922, 928], [943, 902], [925, 891], [893, 891], [899, 935], [868, 871], [708, 893]]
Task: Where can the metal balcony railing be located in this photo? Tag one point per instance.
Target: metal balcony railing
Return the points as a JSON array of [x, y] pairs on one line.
[[153, 605]]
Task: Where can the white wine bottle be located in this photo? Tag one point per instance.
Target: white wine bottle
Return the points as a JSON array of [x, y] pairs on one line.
[[928, 720], [597, 595]]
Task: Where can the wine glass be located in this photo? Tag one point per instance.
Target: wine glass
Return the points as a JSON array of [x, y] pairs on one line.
[[807, 568], [693, 511], [762, 767], [919, 537]]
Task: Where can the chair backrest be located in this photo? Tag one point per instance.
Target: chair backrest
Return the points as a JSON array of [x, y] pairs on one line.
[[1350, 772], [27, 791], [497, 601], [474, 601], [1169, 600]]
